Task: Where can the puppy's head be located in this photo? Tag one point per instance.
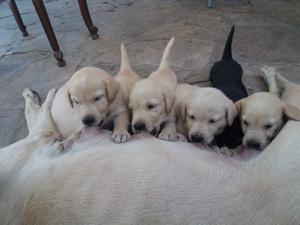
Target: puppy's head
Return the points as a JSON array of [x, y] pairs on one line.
[[151, 103], [90, 91], [262, 115], [205, 113]]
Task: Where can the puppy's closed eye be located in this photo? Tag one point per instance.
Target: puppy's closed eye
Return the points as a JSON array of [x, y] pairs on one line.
[[98, 98], [212, 121], [150, 106], [245, 123], [268, 126]]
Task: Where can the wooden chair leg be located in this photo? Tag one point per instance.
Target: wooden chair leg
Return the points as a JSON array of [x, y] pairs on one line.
[[87, 19], [44, 18], [13, 7]]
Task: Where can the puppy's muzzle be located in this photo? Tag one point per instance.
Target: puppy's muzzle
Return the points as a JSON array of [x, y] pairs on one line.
[[88, 120], [253, 144], [139, 127], [197, 138]]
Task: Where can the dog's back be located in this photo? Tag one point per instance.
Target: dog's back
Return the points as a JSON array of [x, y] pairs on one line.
[[126, 76], [164, 74], [226, 74]]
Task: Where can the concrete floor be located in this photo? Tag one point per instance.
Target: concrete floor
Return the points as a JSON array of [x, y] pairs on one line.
[[267, 32]]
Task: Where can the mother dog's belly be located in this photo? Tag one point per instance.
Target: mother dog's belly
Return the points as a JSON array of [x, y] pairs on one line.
[[150, 181], [100, 182]]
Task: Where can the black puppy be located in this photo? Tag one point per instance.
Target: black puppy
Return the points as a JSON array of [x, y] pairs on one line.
[[226, 75]]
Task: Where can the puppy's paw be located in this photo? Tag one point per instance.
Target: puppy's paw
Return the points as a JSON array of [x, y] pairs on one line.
[[180, 137], [66, 144], [120, 136], [268, 69], [32, 95], [268, 72], [167, 136], [228, 152], [53, 136], [58, 146]]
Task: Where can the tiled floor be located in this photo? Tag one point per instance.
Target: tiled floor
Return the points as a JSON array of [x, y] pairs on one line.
[[267, 32]]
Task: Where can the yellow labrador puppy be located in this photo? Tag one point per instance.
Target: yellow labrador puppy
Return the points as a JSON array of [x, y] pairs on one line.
[[39, 185], [152, 100], [262, 116], [281, 87], [92, 97], [203, 113]]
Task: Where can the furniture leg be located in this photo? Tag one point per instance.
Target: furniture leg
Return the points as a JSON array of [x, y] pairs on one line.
[[13, 7], [87, 19], [44, 18]]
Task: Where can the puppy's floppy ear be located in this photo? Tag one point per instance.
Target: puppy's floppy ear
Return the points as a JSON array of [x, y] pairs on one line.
[[231, 112], [111, 87], [239, 105], [181, 110], [291, 112], [169, 100], [70, 99]]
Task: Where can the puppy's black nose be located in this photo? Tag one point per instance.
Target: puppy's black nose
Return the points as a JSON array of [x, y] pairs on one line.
[[253, 143], [197, 138], [88, 120], [139, 126]]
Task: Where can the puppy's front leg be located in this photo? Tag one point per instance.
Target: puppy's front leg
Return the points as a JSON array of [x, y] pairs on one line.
[[168, 133], [231, 152], [67, 143], [121, 124]]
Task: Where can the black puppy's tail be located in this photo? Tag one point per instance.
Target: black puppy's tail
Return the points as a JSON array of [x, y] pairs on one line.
[[227, 50]]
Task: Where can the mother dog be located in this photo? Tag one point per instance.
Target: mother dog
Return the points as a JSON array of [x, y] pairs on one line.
[[148, 181]]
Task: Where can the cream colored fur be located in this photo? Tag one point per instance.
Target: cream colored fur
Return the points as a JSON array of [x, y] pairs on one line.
[[147, 181], [281, 87], [92, 92], [262, 116], [202, 112], [152, 100]]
